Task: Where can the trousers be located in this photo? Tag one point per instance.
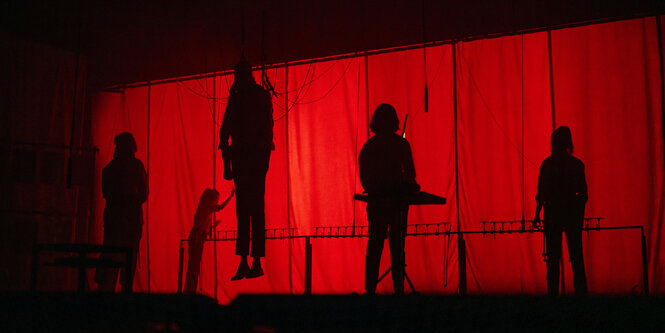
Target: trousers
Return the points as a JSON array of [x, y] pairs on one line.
[[386, 219], [554, 227]]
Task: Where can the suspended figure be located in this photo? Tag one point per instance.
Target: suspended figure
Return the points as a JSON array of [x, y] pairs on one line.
[[248, 125], [125, 188], [388, 176], [562, 193], [202, 225]]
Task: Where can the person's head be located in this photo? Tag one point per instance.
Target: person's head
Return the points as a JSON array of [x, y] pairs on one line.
[[562, 140], [209, 197], [384, 120], [242, 72], [125, 145]]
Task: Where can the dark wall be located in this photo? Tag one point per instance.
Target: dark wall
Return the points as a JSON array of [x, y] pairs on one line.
[[130, 42]]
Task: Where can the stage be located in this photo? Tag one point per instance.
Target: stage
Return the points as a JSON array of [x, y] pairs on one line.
[[328, 313]]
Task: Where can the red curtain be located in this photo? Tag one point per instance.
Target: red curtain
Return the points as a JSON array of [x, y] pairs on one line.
[[608, 92], [504, 122], [605, 85], [399, 79]]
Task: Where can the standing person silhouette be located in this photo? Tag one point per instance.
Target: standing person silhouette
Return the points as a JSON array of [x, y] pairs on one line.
[[248, 124], [562, 192], [125, 188], [200, 228], [387, 174]]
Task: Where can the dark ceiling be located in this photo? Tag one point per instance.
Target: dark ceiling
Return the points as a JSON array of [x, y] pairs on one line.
[[133, 41]]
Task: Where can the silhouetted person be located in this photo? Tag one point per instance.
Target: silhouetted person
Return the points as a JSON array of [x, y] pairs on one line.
[[202, 225], [562, 192], [248, 123], [125, 188], [388, 176]]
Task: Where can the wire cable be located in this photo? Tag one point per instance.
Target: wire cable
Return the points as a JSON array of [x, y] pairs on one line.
[[489, 111]]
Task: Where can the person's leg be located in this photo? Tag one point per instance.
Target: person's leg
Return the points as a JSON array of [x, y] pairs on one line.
[[576, 253], [242, 216], [372, 261], [243, 223], [396, 240], [132, 239], [107, 277], [195, 252], [258, 216], [553, 239], [377, 236]]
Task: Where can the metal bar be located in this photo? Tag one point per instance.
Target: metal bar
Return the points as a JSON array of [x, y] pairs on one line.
[[46, 145], [366, 97], [308, 266], [214, 178], [147, 202], [181, 258], [34, 268], [661, 55], [129, 274], [422, 233], [461, 252], [645, 263], [461, 258], [288, 173], [384, 274], [81, 272], [70, 162], [551, 71], [38, 212]]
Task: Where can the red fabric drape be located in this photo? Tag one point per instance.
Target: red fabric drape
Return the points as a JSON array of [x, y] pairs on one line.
[[399, 79], [608, 92], [326, 129], [504, 126], [606, 88]]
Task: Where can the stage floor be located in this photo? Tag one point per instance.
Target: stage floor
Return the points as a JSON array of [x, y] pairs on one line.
[[327, 313]]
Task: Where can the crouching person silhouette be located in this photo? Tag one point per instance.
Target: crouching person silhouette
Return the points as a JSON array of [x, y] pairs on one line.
[[202, 225]]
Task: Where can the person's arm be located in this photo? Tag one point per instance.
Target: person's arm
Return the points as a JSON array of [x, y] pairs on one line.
[[143, 184], [226, 202], [539, 195], [362, 168], [106, 184], [268, 122], [224, 135], [111, 184], [582, 191]]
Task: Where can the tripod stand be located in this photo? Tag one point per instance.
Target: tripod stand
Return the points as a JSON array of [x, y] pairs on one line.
[[419, 198], [405, 276], [403, 226]]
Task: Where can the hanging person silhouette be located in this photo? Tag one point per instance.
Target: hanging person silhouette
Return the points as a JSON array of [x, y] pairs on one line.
[[248, 124], [388, 176], [562, 192]]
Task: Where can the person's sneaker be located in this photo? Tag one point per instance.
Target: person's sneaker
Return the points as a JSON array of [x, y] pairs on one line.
[[255, 272], [241, 273]]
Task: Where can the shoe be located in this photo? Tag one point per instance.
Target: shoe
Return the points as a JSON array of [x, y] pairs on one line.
[[255, 272], [241, 273]]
